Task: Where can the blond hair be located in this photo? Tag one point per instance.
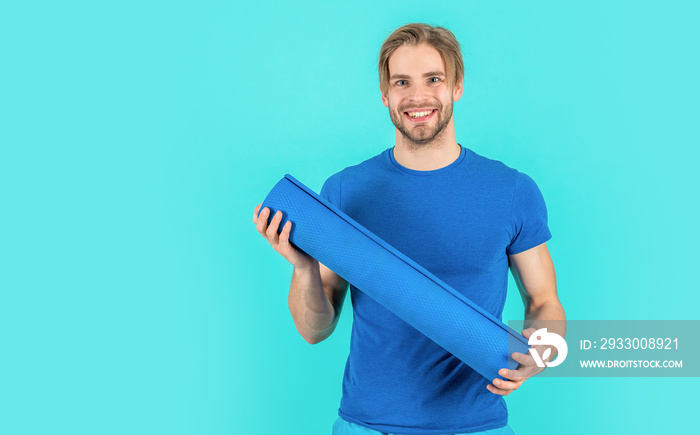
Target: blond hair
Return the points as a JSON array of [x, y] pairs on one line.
[[439, 38]]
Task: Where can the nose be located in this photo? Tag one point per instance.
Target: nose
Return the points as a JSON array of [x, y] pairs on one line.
[[419, 92]]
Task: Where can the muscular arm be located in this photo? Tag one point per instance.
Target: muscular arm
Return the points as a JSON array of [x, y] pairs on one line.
[[533, 271], [316, 297], [316, 293], [534, 274]]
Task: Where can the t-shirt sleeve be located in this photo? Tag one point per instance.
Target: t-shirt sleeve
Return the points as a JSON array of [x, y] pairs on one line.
[[529, 216], [331, 190]]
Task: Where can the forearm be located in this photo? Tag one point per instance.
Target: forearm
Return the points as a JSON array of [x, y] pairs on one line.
[[549, 314], [311, 309]]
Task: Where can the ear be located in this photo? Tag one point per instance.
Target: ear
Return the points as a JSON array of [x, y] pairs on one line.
[[385, 99], [457, 90]]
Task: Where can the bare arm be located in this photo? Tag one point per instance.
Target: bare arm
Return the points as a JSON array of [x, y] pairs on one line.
[[316, 293], [534, 274], [316, 298]]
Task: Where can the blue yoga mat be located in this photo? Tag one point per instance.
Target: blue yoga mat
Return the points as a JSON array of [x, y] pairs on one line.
[[395, 281]]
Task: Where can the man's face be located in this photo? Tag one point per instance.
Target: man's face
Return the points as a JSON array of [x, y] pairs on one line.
[[418, 97]]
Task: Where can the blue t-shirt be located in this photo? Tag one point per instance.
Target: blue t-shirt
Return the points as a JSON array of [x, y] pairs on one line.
[[460, 222]]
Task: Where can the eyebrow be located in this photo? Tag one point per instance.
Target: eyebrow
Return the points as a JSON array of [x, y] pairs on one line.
[[428, 74]]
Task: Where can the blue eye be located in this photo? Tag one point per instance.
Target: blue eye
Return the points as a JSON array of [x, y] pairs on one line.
[[434, 79], [401, 82]]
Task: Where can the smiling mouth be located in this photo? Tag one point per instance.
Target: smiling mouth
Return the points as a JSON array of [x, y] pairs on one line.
[[420, 115]]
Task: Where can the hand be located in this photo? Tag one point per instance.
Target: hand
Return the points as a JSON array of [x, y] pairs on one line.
[[527, 368], [280, 242]]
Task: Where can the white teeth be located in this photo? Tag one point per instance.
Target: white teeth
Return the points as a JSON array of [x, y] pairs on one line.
[[419, 114]]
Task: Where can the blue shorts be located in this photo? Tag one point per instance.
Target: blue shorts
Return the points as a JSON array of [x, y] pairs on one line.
[[343, 427]]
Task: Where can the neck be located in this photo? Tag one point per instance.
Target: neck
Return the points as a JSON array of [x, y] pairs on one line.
[[438, 153]]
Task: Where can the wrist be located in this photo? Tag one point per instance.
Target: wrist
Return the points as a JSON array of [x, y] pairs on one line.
[[306, 265]]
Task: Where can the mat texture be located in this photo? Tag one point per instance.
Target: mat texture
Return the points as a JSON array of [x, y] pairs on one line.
[[392, 279]]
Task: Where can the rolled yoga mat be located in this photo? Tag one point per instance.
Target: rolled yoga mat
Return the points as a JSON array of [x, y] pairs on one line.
[[395, 281]]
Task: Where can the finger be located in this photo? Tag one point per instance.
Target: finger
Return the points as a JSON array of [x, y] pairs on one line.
[[284, 235], [262, 221], [526, 360], [522, 372], [507, 385], [527, 333], [513, 375], [272, 235], [255, 213], [496, 390]]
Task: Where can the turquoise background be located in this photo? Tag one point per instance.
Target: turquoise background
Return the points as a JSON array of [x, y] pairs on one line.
[[137, 137]]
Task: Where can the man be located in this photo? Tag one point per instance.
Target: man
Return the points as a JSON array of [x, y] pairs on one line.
[[463, 217]]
